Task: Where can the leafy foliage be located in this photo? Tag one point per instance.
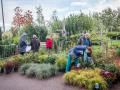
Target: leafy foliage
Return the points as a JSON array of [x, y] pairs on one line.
[[24, 68], [85, 78], [39, 71], [118, 52], [45, 71], [61, 63], [78, 23], [56, 25]]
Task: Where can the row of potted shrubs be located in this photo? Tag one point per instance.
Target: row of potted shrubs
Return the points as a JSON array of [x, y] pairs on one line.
[[12, 63], [8, 66]]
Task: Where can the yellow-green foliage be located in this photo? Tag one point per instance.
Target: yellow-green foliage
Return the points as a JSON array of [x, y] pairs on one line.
[[7, 34], [85, 78], [61, 62], [15, 40], [42, 58], [2, 63]]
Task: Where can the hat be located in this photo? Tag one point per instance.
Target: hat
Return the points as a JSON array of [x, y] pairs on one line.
[[87, 34], [34, 36]]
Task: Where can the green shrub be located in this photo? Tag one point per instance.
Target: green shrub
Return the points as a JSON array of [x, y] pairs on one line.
[[15, 40], [85, 78], [23, 68], [30, 57], [40, 71], [42, 51], [111, 68], [61, 63], [44, 71], [113, 34], [50, 59], [108, 67], [118, 52], [30, 72], [97, 53], [47, 59], [42, 58]]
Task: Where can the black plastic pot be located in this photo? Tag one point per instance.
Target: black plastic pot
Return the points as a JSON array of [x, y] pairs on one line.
[[16, 69], [2, 70], [8, 70], [110, 84]]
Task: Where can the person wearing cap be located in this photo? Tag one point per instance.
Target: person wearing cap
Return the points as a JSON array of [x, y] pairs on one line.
[[35, 44]]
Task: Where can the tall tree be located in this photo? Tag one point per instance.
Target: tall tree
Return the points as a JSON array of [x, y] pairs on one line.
[[40, 17], [18, 18], [54, 16], [28, 17], [75, 24], [56, 23], [108, 17], [117, 23]]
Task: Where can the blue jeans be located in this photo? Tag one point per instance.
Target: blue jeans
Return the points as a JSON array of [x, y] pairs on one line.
[[68, 65]]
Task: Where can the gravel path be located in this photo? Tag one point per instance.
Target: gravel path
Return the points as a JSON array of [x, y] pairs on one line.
[[17, 82]]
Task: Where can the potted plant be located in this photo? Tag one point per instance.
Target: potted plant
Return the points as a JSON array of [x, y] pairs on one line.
[[108, 76], [9, 66], [16, 66]]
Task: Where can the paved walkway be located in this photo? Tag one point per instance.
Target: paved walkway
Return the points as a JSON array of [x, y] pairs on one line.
[[17, 82]]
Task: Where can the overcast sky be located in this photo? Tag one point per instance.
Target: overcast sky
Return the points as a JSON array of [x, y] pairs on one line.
[[63, 7]]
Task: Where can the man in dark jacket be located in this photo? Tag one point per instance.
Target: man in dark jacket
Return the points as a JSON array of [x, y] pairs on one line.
[[35, 44]]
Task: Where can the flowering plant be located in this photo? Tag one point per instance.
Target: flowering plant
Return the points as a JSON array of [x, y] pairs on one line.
[[108, 76]]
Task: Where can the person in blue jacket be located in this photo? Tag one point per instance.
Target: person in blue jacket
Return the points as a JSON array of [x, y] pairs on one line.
[[74, 54], [22, 44], [87, 42]]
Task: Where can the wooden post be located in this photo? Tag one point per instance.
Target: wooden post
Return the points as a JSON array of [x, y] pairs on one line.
[[0, 42], [0, 35], [3, 16]]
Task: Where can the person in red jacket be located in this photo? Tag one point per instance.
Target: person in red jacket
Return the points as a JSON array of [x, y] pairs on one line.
[[49, 43]]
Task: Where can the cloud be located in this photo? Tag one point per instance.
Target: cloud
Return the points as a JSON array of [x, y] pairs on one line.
[[63, 7], [10, 5], [77, 0], [78, 3], [103, 4]]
